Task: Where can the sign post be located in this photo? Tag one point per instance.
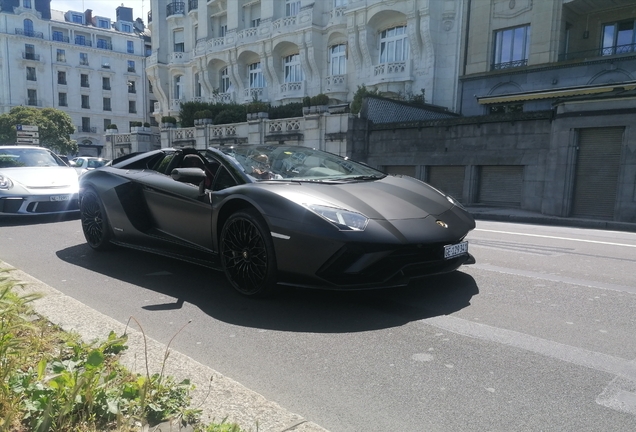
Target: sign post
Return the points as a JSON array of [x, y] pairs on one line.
[[27, 134]]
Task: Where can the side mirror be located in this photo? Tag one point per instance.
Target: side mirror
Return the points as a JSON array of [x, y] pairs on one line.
[[195, 176]]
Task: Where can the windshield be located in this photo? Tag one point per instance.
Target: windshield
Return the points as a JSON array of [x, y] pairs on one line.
[[28, 157], [298, 164]]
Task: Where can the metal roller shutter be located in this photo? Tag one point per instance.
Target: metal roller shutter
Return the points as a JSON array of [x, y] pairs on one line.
[[448, 179], [501, 185], [408, 170], [596, 175]]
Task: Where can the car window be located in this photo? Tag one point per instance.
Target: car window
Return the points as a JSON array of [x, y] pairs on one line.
[[163, 164], [21, 157], [79, 162], [223, 180]]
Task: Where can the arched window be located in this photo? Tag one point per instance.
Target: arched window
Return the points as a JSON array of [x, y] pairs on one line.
[[293, 69], [338, 59], [257, 80], [28, 27], [225, 81], [178, 93], [394, 45]]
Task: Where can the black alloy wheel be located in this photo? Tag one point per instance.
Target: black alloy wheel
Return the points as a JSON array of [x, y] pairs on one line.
[[94, 221], [247, 254]]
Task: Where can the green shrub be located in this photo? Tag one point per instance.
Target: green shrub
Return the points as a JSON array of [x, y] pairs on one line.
[[111, 126], [306, 102], [362, 91], [146, 124], [257, 106], [168, 119], [232, 114], [290, 110], [319, 99]]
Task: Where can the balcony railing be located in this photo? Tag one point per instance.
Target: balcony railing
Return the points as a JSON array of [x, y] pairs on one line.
[[86, 129], [131, 69], [599, 52], [193, 5], [31, 56], [507, 65], [84, 42], [34, 102], [29, 33], [104, 45], [175, 8], [106, 87], [60, 38]]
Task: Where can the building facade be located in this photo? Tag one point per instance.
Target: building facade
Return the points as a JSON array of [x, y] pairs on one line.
[[87, 66], [280, 51]]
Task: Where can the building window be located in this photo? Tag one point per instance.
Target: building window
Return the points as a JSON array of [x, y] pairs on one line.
[[58, 36], [150, 87], [105, 83], [132, 107], [225, 80], [103, 23], [61, 77], [618, 38], [61, 56], [255, 22], [257, 80], [84, 80], [30, 74], [293, 70], [126, 28], [339, 3], [130, 47], [177, 87], [131, 66], [338, 59], [394, 45], [197, 85], [32, 97], [28, 27], [105, 62], [61, 99], [511, 47], [86, 124], [106, 124], [85, 102], [131, 87], [83, 59], [292, 7], [103, 44], [26, 4], [223, 30], [77, 18], [179, 45], [107, 104], [29, 52]]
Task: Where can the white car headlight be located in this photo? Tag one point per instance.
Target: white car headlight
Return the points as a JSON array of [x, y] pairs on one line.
[[344, 220], [5, 183]]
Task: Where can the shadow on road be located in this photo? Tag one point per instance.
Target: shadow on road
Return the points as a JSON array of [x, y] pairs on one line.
[[36, 219], [298, 310]]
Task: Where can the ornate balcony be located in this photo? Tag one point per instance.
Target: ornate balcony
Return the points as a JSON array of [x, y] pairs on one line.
[[175, 8], [29, 33], [292, 89], [259, 93]]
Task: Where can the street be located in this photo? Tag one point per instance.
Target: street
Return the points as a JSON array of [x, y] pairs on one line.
[[538, 335]]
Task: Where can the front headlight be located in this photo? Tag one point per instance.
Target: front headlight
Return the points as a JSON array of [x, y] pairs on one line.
[[5, 183], [344, 220]]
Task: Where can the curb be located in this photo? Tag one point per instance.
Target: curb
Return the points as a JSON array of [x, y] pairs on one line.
[[219, 397], [555, 221]]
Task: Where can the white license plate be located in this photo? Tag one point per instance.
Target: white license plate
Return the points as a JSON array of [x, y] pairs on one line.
[[60, 197], [451, 251]]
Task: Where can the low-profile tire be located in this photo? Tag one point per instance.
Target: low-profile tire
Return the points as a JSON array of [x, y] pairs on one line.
[[94, 221], [247, 254]]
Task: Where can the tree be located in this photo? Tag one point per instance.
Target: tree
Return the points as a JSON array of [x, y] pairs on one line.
[[54, 127]]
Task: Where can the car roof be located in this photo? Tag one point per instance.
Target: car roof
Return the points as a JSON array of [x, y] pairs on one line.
[[22, 147]]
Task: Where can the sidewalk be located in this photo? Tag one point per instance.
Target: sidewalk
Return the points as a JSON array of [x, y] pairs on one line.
[[218, 396], [528, 217]]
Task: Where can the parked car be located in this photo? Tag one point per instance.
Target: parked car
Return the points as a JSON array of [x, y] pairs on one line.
[[268, 215], [85, 163], [34, 180]]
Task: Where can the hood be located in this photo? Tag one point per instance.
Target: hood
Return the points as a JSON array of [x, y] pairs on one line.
[[391, 198], [43, 177]]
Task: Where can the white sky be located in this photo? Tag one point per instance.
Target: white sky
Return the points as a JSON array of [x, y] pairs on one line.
[[105, 8]]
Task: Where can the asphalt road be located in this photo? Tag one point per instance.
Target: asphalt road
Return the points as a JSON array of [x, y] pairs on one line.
[[538, 335]]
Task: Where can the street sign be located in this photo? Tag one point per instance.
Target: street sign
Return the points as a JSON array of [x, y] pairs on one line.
[[28, 134], [27, 140], [26, 128]]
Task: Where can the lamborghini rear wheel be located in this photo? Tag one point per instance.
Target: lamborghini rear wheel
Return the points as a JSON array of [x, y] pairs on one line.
[[94, 221], [247, 254]]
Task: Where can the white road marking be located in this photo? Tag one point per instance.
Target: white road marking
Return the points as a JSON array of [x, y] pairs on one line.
[[579, 356], [557, 238]]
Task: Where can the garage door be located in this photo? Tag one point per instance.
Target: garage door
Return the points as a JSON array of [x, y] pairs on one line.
[[596, 175], [448, 179], [500, 185]]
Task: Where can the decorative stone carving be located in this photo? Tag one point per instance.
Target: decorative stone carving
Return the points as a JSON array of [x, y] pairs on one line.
[[511, 8]]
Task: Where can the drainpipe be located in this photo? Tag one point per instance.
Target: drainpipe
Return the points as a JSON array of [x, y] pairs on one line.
[[466, 39]]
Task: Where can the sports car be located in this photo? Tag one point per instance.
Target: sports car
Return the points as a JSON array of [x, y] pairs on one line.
[[276, 215], [34, 180]]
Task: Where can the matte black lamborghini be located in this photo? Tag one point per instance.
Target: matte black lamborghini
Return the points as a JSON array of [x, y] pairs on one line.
[[269, 215]]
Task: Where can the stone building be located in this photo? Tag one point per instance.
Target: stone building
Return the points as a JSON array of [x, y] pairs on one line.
[[279, 51], [88, 66]]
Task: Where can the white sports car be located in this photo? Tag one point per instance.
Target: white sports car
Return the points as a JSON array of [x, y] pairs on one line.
[[33, 180]]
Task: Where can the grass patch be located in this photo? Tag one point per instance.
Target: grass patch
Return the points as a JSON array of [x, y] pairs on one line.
[[52, 381]]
